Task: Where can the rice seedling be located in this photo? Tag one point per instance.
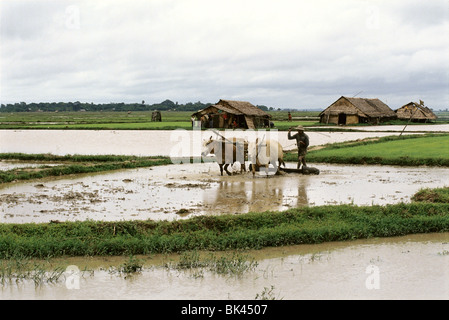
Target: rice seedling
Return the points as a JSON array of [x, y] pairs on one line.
[[132, 266], [19, 270], [267, 293], [234, 264]]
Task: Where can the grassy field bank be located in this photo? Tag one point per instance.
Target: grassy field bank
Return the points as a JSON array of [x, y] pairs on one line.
[[428, 213], [141, 120], [73, 164], [136, 120], [306, 225], [429, 149]]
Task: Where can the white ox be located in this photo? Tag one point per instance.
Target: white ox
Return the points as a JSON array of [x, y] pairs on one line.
[[265, 152]]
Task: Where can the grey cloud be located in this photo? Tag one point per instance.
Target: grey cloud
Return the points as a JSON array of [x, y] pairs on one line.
[[28, 19], [420, 13], [283, 53]]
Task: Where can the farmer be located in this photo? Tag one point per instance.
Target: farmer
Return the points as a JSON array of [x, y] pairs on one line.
[[302, 141], [211, 119]]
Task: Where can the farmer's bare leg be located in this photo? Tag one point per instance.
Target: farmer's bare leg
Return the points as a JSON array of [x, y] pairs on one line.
[[300, 161]]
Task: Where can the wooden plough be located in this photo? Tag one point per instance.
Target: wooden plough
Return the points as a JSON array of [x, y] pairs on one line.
[[303, 170]]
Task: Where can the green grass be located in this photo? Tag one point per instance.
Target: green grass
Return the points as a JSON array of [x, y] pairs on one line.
[[234, 263], [306, 225], [90, 117], [429, 149], [136, 120], [74, 164], [171, 125], [437, 195], [285, 125], [140, 120]]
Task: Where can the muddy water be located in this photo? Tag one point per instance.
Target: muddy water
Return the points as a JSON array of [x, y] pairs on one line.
[[408, 128], [182, 191], [410, 267], [144, 143], [12, 164]]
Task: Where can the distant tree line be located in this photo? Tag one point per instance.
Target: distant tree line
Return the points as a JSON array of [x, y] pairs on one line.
[[120, 106]]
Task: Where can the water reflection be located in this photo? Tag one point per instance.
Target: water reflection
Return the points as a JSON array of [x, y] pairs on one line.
[[182, 191], [240, 194]]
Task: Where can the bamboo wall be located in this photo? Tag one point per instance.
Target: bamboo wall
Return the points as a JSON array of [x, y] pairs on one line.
[[342, 106]]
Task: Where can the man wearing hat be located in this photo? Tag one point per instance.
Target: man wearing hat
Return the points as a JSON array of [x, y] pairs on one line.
[[302, 141]]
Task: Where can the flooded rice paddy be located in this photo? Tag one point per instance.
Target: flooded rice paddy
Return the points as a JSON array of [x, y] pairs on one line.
[[186, 190], [409, 267], [145, 143]]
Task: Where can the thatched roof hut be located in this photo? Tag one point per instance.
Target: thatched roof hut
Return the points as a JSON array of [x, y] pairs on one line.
[[415, 112], [356, 110], [233, 114]]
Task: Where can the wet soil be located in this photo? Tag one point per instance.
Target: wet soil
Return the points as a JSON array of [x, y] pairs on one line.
[[412, 267], [182, 191]]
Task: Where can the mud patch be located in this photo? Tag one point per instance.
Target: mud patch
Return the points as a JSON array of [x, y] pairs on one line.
[[183, 191]]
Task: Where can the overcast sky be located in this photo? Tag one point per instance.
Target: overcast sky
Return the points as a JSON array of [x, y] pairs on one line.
[[283, 53]]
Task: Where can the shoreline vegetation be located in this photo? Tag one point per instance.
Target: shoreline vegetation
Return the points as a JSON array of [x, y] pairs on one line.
[[306, 225], [171, 120], [411, 150], [428, 212], [391, 150], [72, 164]]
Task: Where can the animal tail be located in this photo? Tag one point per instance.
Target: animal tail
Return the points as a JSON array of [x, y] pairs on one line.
[[281, 162]]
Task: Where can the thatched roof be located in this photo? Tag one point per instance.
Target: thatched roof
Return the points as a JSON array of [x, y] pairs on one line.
[[372, 108], [415, 111], [243, 107], [237, 108]]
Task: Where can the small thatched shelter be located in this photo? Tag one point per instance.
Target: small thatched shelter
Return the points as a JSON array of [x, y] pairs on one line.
[[415, 112], [156, 116], [357, 110], [232, 114]]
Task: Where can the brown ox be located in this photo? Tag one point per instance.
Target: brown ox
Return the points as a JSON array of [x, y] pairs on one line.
[[227, 152]]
